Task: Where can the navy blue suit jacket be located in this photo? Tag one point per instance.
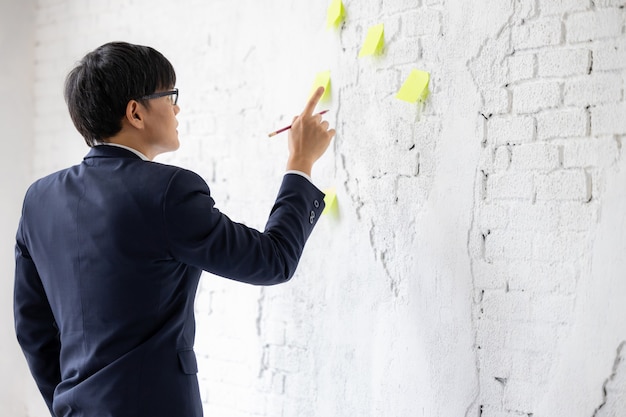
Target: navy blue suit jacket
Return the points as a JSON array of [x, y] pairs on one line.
[[108, 258]]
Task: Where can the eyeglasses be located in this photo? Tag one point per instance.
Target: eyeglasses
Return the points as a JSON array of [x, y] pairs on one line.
[[172, 93]]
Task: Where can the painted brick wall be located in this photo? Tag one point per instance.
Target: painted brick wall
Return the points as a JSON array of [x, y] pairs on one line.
[[469, 271], [547, 151]]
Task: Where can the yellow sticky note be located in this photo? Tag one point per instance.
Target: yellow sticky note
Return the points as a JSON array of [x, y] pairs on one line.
[[336, 13], [374, 41], [330, 199], [322, 79], [415, 88]]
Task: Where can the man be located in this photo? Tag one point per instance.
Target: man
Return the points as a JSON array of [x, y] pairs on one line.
[[109, 252]]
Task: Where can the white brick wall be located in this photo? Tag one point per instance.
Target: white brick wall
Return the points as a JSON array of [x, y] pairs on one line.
[[512, 129], [541, 32], [536, 95], [609, 119], [539, 156], [594, 25], [559, 7], [538, 217], [563, 62], [593, 89], [451, 281]]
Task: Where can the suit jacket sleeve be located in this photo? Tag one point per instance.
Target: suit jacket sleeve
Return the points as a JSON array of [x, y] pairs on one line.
[[36, 329], [200, 235]]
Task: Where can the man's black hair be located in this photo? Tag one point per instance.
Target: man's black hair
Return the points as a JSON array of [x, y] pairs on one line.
[[98, 90]]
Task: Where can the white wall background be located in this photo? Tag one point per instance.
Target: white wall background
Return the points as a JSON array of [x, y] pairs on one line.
[[476, 266], [17, 56]]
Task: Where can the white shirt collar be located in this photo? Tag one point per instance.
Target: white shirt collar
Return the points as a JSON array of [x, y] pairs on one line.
[[135, 151]]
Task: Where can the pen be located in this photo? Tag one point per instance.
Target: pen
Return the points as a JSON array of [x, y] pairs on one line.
[[289, 127]]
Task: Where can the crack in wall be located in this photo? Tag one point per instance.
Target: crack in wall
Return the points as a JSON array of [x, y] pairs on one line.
[[503, 35], [478, 180], [619, 359]]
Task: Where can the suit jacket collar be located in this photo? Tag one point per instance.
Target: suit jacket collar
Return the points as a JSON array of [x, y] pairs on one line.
[[104, 151]]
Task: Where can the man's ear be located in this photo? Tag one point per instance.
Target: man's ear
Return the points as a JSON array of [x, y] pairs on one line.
[[135, 113]]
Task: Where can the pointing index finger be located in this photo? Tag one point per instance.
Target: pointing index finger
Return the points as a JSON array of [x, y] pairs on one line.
[[315, 98]]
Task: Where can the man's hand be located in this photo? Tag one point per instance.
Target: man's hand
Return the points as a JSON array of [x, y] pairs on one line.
[[309, 137]]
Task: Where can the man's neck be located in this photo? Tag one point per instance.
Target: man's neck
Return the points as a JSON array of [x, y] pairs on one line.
[[129, 148], [131, 142]]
